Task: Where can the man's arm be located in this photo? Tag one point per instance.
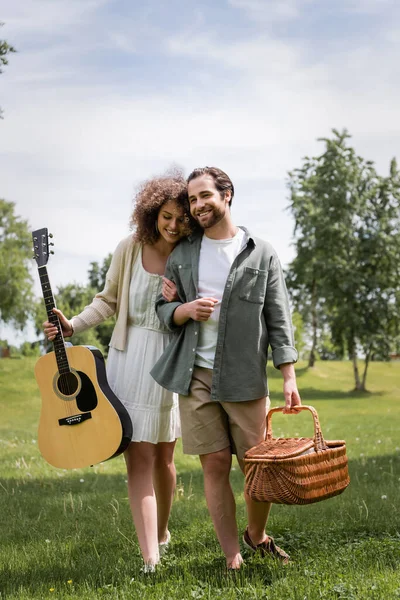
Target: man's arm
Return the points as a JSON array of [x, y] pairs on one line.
[[177, 313], [198, 310], [290, 391], [280, 333]]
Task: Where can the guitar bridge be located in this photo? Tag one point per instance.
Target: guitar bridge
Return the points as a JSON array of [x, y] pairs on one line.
[[75, 419]]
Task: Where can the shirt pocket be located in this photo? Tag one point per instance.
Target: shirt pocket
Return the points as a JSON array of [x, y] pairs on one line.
[[253, 286]]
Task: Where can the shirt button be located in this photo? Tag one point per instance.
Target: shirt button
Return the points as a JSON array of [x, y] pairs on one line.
[[180, 267], [190, 370], [195, 333], [194, 349]]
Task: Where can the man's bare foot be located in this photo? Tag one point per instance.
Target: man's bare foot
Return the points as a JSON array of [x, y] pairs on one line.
[[235, 563]]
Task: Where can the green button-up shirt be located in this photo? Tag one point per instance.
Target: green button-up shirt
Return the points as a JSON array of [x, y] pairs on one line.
[[254, 315]]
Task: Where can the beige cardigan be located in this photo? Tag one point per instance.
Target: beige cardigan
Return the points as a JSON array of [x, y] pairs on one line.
[[114, 299]]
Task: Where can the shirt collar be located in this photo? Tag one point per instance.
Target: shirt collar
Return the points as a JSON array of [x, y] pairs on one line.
[[248, 237]]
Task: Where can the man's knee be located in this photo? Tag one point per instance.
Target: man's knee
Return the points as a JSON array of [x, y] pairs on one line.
[[217, 464]]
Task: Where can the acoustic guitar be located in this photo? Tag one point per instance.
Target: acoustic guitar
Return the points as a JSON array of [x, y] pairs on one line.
[[82, 422]]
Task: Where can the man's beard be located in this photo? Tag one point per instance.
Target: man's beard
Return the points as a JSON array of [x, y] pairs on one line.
[[215, 217]]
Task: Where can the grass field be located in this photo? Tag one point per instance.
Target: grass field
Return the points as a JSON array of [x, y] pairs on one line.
[[70, 534]]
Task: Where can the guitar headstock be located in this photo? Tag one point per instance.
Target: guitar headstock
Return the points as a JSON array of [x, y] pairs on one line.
[[41, 245]]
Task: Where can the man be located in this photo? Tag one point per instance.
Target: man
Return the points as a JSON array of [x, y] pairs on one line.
[[233, 305]]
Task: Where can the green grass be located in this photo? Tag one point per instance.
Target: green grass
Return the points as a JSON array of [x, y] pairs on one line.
[[69, 534]]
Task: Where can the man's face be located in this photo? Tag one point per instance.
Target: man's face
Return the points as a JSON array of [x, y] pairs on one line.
[[207, 205]]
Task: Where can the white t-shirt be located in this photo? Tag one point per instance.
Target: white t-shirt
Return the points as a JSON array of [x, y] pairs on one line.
[[216, 258]]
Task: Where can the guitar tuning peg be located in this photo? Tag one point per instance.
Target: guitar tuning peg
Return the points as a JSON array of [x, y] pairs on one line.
[[51, 244], [51, 251], [50, 235]]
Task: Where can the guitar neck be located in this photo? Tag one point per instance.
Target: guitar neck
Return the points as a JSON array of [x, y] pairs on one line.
[[58, 342]]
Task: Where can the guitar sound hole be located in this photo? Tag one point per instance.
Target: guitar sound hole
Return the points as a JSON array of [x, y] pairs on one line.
[[68, 384]]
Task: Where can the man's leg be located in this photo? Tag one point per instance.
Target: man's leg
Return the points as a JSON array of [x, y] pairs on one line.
[[247, 421], [205, 432], [221, 503], [257, 516]]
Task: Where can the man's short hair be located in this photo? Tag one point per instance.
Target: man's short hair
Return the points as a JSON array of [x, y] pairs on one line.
[[221, 180]]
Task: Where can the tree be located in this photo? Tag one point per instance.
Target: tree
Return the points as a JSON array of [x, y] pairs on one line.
[[298, 327], [5, 50], [97, 279], [347, 236], [97, 274], [16, 294]]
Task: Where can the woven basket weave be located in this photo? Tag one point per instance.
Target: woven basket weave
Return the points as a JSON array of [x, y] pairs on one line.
[[296, 470]]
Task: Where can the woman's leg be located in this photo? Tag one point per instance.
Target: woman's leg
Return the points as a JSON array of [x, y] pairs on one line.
[[140, 460], [164, 481]]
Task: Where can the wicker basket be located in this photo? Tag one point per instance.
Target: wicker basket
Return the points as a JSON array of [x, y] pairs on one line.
[[296, 470]]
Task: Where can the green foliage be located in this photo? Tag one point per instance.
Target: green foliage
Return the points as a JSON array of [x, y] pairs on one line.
[[97, 274], [298, 326], [326, 350], [71, 531], [97, 279], [5, 50], [29, 349], [347, 236], [15, 277]]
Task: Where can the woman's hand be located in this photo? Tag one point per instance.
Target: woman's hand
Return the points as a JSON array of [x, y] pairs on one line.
[[169, 290], [51, 330]]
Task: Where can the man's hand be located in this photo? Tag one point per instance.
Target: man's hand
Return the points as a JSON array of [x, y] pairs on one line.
[[202, 308], [169, 290], [290, 391], [198, 310]]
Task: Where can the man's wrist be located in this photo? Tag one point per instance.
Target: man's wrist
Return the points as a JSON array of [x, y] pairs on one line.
[[181, 314], [287, 370]]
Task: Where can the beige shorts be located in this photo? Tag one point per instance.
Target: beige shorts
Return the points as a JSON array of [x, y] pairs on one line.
[[210, 426]]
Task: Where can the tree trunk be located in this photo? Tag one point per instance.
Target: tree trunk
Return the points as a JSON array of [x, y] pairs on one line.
[[314, 324], [364, 377], [352, 346], [356, 373]]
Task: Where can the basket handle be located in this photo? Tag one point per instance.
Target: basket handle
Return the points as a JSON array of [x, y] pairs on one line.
[[319, 441]]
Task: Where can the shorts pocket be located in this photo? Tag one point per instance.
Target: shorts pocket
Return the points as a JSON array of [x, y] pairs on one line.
[[254, 285]]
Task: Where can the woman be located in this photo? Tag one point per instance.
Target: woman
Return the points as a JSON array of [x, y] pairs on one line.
[[134, 280]]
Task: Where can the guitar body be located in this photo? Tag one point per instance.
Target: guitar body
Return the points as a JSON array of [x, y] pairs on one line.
[[82, 422]]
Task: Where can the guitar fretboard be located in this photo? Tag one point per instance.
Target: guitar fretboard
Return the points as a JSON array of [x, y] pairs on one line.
[[58, 342]]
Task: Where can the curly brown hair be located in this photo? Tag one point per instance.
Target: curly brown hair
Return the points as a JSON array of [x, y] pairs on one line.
[[151, 195]]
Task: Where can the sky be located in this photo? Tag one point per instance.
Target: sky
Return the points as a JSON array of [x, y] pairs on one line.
[[103, 94]]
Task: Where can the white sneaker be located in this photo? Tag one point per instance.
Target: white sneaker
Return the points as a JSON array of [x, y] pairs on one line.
[[163, 546]]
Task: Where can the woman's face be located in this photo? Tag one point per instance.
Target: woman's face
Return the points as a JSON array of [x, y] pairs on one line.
[[171, 222]]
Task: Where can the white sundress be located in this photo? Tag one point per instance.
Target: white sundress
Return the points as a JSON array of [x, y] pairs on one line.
[[154, 410]]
